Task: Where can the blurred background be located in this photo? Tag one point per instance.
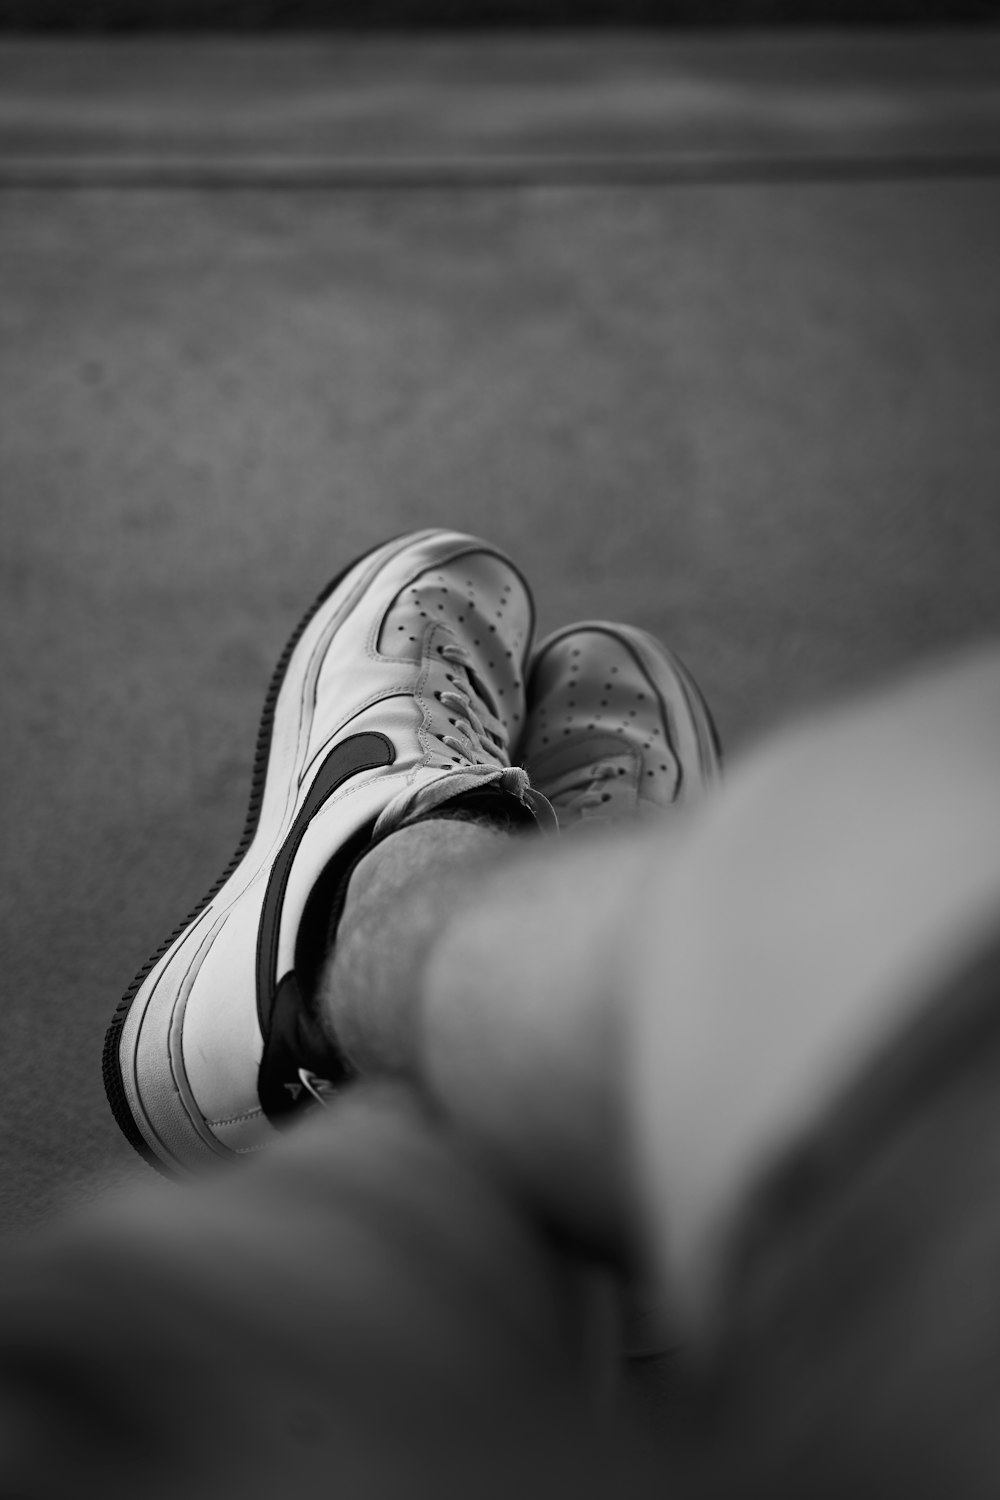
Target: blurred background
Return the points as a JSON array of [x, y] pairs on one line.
[[464, 14], [693, 306]]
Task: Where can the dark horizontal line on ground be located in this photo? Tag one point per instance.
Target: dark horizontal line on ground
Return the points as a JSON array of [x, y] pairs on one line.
[[478, 173], [450, 112], [99, 16]]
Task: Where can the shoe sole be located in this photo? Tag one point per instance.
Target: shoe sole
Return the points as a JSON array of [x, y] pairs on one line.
[[114, 1079]]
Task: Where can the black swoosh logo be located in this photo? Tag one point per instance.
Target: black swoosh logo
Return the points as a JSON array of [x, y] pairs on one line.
[[361, 752]]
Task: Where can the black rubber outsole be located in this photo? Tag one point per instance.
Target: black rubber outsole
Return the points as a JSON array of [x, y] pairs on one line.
[[114, 1086]]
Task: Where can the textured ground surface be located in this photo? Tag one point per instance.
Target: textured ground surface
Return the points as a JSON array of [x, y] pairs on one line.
[[757, 418]]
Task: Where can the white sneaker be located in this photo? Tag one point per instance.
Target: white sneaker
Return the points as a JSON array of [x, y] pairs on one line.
[[401, 690], [617, 727]]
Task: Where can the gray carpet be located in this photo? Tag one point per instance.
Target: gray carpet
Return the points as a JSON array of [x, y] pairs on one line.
[[758, 420]]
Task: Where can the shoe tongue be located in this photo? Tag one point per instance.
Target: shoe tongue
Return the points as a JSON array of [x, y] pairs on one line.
[[505, 794], [490, 804]]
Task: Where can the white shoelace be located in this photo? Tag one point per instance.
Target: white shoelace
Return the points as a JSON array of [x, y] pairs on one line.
[[480, 737]]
